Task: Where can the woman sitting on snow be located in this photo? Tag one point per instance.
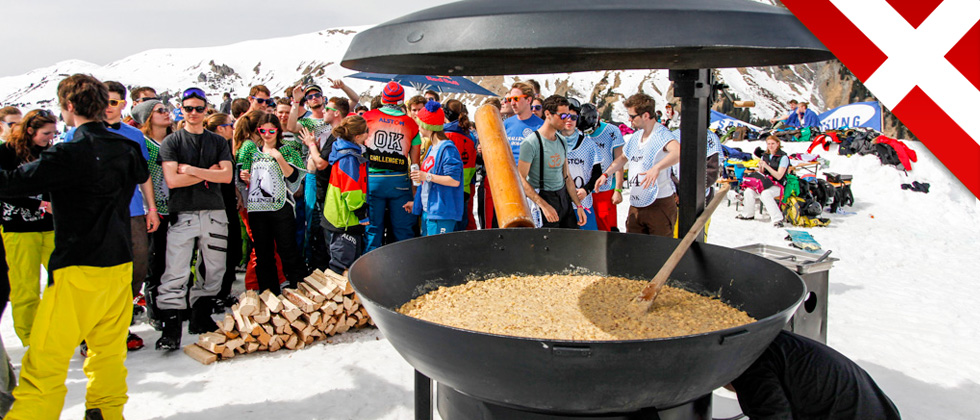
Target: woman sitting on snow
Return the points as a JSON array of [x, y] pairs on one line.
[[766, 183]]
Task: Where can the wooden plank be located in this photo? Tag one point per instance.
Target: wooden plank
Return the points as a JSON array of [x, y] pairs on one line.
[[201, 355], [271, 301]]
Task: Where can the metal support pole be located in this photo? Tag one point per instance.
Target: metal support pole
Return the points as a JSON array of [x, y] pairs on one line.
[[423, 397], [693, 87]]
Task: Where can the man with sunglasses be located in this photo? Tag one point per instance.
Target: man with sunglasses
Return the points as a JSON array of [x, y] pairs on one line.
[[543, 165], [91, 182], [650, 152], [195, 161], [260, 99], [521, 124], [8, 117], [142, 222]]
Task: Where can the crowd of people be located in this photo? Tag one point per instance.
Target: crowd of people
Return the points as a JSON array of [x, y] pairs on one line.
[[159, 210]]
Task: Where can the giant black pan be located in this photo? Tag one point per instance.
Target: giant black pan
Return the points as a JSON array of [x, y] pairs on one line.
[[574, 376]]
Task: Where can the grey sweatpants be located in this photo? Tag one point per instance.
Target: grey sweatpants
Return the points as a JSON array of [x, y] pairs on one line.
[[209, 228]]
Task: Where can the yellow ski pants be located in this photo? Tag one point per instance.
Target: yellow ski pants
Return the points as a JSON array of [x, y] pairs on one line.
[[26, 253], [85, 303]]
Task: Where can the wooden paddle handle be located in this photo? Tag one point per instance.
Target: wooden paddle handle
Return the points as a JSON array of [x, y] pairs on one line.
[[509, 201], [650, 292]]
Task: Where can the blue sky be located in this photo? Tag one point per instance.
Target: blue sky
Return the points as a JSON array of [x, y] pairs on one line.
[[41, 33]]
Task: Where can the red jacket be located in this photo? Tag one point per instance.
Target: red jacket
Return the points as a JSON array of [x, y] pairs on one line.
[[905, 154]]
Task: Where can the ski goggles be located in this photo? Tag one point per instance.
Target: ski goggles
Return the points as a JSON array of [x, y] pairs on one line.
[[194, 93]]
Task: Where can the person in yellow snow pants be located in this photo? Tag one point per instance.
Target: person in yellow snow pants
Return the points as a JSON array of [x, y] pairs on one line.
[[26, 253], [85, 303]]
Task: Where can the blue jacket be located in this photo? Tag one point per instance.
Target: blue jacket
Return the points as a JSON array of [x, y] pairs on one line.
[[810, 119], [445, 203]]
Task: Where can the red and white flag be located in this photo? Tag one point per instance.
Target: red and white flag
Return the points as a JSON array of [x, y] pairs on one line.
[[921, 59]]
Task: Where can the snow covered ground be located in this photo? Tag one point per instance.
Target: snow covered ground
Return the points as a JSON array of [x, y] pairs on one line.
[[900, 306]]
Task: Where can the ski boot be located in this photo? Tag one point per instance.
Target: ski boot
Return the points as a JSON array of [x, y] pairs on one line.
[[170, 339], [201, 321]]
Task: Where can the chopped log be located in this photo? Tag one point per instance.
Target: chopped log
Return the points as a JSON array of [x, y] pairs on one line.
[[278, 320], [248, 338], [361, 322], [312, 293], [299, 300], [304, 334], [211, 338], [271, 301], [228, 324], [300, 344], [342, 327], [330, 307], [263, 347], [326, 287], [234, 344], [263, 315], [264, 338], [275, 344], [252, 347], [252, 327], [232, 334], [348, 303], [201, 355], [348, 289], [239, 322], [248, 303], [339, 280], [351, 322], [299, 324], [227, 354], [269, 329], [338, 298], [213, 348], [291, 342], [312, 318], [290, 310]]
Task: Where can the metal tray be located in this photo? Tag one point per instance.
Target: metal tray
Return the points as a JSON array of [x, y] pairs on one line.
[[795, 259]]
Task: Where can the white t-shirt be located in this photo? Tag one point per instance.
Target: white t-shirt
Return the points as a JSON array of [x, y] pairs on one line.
[[641, 156]]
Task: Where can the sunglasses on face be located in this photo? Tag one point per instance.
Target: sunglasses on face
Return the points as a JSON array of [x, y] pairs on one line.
[[312, 96], [565, 116], [331, 109], [267, 102], [514, 98], [226, 125], [161, 111], [116, 102], [42, 113], [633, 116], [535, 107], [150, 98], [269, 131], [198, 109]]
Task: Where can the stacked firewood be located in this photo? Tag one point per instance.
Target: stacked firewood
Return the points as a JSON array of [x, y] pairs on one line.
[[322, 305]]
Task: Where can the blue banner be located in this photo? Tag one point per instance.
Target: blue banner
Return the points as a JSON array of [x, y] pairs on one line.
[[721, 122], [860, 114]]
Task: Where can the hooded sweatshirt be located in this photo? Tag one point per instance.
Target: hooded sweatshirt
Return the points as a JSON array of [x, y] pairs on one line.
[[467, 151], [345, 206]]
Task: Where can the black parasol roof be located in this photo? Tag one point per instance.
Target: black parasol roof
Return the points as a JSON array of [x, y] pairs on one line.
[[497, 37]]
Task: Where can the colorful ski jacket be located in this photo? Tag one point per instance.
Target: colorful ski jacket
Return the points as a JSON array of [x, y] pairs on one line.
[[467, 151], [391, 135], [905, 153], [345, 206]]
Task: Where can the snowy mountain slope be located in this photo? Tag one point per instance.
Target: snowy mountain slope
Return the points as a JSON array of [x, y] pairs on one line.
[[281, 62]]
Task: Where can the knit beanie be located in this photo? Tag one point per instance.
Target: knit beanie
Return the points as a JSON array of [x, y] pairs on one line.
[[432, 117], [393, 93], [142, 112]]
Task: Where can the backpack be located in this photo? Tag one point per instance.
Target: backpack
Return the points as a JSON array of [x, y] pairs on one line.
[[887, 155], [795, 212]]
